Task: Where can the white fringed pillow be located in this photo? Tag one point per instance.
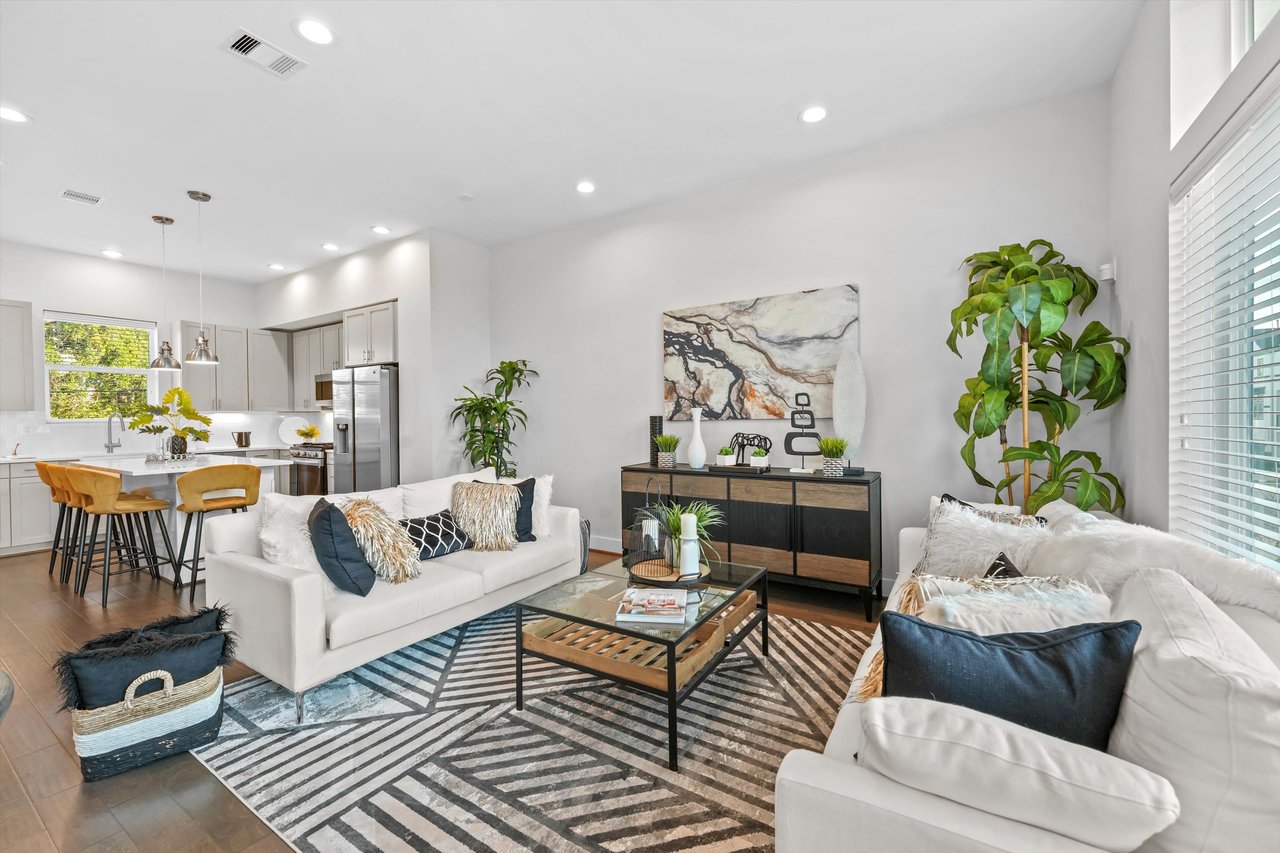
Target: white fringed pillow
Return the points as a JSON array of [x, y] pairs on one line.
[[384, 542], [285, 537], [962, 543]]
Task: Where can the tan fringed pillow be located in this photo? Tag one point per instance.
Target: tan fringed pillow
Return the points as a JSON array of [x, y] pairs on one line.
[[487, 512], [910, 602], [384, 543]]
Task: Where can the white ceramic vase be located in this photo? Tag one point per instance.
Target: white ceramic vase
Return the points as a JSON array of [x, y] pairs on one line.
[[697, 449]]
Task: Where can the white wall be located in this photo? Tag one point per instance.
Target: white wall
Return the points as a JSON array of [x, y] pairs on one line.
[[1139, 225], [583, 303], [440, 284], [62, 281], [1197, 37]]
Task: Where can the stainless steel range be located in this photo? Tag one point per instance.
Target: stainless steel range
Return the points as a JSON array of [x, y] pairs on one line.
[[310, 474]]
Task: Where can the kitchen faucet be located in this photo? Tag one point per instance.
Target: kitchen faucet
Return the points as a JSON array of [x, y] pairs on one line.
[[111, 445]]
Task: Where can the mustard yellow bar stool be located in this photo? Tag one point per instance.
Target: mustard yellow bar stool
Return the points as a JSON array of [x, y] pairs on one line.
[[105, 500], [195, 488], [62, 532]]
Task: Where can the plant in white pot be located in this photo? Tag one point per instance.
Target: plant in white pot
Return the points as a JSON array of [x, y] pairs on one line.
[[666, 445], [726, 456], [832, 450], [760, 458]]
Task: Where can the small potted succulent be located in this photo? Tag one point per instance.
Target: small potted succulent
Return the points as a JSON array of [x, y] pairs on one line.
[[760, 458], [832, 450], [666, 445], [726, 456]]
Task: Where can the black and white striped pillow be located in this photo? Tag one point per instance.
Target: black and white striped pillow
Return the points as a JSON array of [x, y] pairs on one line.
[[437, 535]]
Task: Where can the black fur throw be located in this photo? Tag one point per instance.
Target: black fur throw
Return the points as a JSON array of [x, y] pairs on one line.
[[188, 646]]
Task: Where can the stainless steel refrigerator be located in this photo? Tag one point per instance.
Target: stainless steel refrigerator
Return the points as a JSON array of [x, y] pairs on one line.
[[366, 428]]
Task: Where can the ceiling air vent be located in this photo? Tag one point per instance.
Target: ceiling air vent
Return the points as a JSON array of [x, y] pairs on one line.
[[263, 54], [80, 198]]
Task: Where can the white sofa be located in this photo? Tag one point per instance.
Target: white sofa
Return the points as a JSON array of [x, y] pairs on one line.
[[826, 802], [289, 632]]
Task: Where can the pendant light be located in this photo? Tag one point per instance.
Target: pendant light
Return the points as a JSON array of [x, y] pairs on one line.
[[165, 360], [201, 353]]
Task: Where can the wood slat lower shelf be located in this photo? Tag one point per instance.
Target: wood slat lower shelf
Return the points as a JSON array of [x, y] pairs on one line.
[[838, 569], [621, 656]]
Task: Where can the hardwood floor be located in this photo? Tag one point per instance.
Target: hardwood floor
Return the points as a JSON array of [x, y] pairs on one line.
[[171, 805]]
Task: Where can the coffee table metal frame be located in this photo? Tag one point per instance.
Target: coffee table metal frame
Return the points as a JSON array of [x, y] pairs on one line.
[[755, 578]]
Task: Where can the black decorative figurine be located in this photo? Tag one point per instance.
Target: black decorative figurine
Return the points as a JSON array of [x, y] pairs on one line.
[[742, 440], [655, 428], [802, 419]]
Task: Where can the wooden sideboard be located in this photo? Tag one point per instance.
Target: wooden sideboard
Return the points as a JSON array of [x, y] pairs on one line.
[[804, 528]]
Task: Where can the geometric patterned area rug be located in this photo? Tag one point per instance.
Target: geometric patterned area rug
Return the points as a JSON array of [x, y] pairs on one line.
[[423, 749]]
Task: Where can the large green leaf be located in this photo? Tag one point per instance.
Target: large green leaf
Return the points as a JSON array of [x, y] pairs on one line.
[[991, 412], [997, 364], [1088, 491], [1052, 316], [1024, 301], [1046, 492], [1105, 356], [1076, 369], [998, 327], [969, 455], [1060, 289]]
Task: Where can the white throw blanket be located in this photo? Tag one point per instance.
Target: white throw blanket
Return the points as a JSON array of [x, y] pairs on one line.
[[1109, 551]]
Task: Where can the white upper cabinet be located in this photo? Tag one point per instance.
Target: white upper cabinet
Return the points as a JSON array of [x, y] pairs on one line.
[[199, 380], [331, 347], [231, 344], [268, 370], [18, 376], [370, 334], [304, 386]]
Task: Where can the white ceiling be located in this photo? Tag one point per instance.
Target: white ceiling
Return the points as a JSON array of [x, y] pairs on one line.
[[514, 103]]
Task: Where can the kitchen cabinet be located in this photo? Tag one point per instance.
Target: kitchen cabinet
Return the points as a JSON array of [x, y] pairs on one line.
[[32, 512], [17, 380], [199, 380], [271, 476], [5, 508], [330, 347], [231, 343], [268, 371], [369, 335]]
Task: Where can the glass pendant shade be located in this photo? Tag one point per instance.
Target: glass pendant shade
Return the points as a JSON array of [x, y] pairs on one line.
[[201, 353], [165, 360]]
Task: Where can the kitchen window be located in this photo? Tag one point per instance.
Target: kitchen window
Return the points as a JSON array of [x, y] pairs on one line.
[[1225, 345], [94, 366]]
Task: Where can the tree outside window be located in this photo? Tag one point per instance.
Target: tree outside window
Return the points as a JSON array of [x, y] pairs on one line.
[[95, 366]]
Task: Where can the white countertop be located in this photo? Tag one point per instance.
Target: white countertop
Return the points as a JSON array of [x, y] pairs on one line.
[[97, 455], [138, 466]]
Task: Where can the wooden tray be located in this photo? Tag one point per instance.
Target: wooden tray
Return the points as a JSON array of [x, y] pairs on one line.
[[633, 659], [737, 612], [672, 577], [740, 469]]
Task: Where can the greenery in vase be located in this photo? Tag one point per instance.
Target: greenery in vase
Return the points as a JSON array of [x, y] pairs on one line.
[[668, 517], [1020, 297], [490, 419], [666, 443], [760, 453], [177, 413], [310, 432], [832, 448], [726, 451]]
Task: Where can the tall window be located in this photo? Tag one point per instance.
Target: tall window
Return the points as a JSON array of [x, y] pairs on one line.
[[1225, 348], [94, 366]]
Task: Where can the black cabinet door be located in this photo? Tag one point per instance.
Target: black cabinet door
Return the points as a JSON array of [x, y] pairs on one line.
[[688, 488], [833, 533], [761, 524]]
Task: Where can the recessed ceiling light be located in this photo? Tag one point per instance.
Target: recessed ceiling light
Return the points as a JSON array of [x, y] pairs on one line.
[[276, 267], [812, 115], [112, 254], [10, 114], [586, 187], [314, 31], [329, 247], [379, 229]]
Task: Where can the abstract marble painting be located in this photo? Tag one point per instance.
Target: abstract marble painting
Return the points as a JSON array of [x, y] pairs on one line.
[[747, 359]]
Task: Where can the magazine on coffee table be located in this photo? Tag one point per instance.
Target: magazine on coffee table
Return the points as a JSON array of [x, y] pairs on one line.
[[653, 605]]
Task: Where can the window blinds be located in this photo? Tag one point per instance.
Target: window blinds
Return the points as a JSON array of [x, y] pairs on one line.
[[1225, 349]]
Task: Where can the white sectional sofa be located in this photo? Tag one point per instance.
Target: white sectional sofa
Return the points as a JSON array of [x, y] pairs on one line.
[[291, 633], [825, 801]]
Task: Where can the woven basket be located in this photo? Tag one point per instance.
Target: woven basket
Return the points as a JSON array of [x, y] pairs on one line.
[[137, 731]]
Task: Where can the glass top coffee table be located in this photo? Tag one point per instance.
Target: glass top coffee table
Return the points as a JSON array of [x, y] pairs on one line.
[[667, 660]]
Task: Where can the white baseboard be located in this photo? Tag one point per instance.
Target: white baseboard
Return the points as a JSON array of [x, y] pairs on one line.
[[606, 543]]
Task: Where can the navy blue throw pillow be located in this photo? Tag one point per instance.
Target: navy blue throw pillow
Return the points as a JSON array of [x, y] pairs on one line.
[[437, 535], [337, 551], [99, 673], [1067, 682]]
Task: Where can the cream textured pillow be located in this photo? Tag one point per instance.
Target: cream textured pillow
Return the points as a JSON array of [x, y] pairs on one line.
[[1202, 708], [962, 543], [285, 537], [383, 541], [487, 512], [1005, 769]]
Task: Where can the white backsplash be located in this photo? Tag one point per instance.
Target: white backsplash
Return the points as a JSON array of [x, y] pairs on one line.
[[34, 435]]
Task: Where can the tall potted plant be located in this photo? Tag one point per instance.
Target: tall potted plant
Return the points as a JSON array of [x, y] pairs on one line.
[[1020, 297], [178, 414], [490, 418]]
